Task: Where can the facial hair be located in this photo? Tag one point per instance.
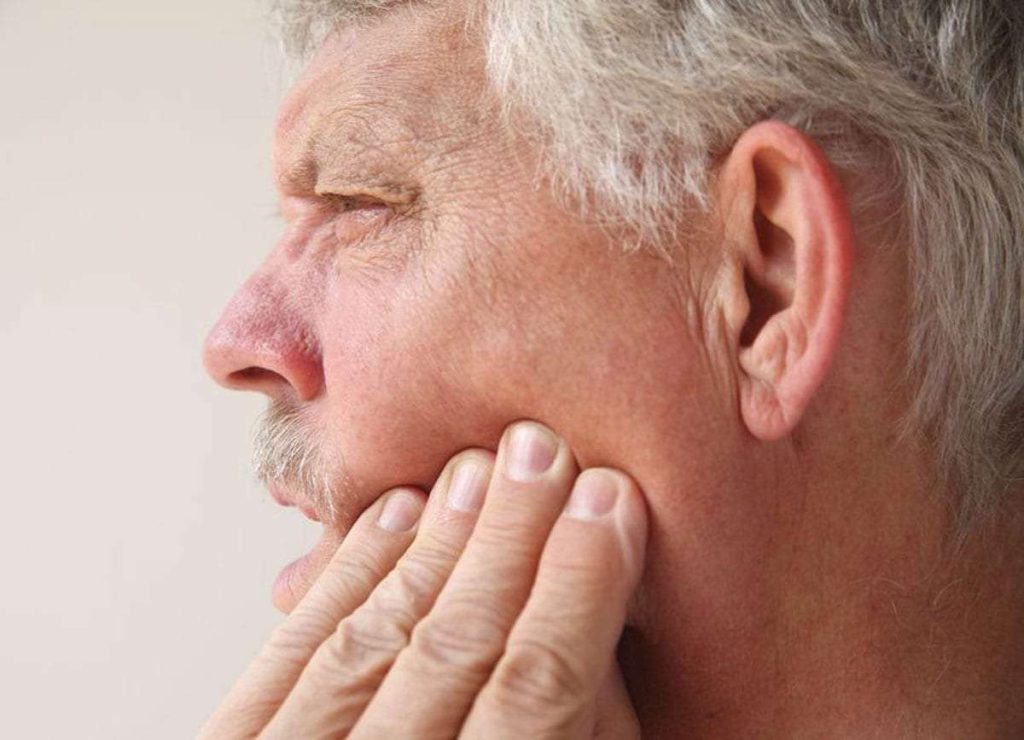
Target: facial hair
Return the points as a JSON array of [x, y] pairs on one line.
[[286, 450]]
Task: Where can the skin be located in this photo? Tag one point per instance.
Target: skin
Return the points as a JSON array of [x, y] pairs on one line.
[[429, 290], [392, 634]]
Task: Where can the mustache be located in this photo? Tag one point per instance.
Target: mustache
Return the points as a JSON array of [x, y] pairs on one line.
[[287, 449]]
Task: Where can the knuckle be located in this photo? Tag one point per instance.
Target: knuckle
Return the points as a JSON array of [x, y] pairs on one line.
[[292, 642], [468, 639], [363, 635], [405, 594], [535, 676], [428, 564], [513, 540], [582, 566], [383, 623], [346, 580], [589, 576]]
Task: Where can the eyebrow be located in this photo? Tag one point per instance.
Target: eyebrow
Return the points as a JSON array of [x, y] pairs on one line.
[[297, 176], [345, 153]]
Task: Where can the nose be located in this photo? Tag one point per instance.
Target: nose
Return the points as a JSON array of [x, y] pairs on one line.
[[263, 342]]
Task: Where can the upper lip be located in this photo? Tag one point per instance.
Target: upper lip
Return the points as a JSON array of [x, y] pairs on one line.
[[287, 497]]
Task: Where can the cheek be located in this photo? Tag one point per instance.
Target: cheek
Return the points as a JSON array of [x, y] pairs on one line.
[[420, 366], [399, 400]]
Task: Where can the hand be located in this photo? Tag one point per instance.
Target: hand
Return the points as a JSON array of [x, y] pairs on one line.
[[437, 618]]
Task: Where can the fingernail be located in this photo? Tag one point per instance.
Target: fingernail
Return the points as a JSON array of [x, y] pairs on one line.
[[400, 512], [468, 486], [593, 495], [531, 452]]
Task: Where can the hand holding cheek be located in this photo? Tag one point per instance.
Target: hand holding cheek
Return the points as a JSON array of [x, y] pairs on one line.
[[368, 553], [522, 638], [350, 666], [492, 609]]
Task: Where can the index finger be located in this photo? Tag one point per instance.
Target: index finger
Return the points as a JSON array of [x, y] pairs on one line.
[[370, 550]]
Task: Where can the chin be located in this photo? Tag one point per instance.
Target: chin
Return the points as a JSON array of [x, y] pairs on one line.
[[296, 578]]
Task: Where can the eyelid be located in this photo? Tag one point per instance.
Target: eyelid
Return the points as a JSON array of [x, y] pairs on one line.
[[345, 203], [387, 193]]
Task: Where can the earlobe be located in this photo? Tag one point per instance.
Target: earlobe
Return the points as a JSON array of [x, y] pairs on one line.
[[790, 231]]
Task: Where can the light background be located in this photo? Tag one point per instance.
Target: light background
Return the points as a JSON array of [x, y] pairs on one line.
[[136, 552]]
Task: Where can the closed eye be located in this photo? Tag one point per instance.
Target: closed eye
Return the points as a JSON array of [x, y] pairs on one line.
[[354, 217], [349, 203]]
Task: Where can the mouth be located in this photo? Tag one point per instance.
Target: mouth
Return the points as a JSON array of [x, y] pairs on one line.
[[288, 498], [296, 578]]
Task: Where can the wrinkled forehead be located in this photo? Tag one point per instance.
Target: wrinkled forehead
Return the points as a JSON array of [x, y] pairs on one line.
[[407, 76]]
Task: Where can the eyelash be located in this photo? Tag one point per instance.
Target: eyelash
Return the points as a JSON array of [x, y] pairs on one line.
[[347, 203], [353, 218]]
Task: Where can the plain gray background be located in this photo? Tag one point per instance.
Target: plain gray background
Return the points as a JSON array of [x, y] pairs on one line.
[[137, 552]]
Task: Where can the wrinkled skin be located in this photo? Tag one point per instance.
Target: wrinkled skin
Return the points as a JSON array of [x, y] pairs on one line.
[[410, 332], [454, 295], [491, 609], [429, 290]]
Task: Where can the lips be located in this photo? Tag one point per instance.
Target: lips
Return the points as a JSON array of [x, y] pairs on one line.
[[295, 579], [287, 497]]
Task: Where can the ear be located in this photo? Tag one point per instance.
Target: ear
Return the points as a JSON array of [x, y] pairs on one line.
[[790, 243]]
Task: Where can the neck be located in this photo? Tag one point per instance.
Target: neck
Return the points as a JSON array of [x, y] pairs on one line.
[[812, 593]]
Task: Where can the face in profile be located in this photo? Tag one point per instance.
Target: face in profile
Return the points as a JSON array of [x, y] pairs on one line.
[[428, 289]]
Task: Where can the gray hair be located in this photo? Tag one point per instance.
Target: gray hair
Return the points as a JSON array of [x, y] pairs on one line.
[[634, 98]]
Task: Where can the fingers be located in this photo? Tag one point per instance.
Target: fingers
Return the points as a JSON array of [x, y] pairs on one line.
[[614, 715], [371, 549], [453, 650], [348, 668], [563, 645], [498, 621]]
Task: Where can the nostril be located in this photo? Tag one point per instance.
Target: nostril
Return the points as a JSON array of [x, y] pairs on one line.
[[256, 377]]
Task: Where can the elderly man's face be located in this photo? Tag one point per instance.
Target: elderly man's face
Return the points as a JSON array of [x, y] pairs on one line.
[[428, 289]]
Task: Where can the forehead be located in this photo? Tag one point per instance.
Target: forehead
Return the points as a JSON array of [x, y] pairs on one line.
[[408, 78]]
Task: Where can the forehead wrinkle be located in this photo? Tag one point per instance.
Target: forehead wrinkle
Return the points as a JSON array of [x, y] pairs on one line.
[[353, 125], [353, 138], [363, 116], [365, 138]]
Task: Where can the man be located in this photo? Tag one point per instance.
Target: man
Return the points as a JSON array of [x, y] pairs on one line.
[[754, 268]]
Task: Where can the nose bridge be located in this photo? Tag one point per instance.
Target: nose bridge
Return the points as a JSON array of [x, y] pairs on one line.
[[266, 339]]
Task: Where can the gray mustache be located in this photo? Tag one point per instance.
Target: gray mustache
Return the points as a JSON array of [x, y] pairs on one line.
[[286, 450]]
